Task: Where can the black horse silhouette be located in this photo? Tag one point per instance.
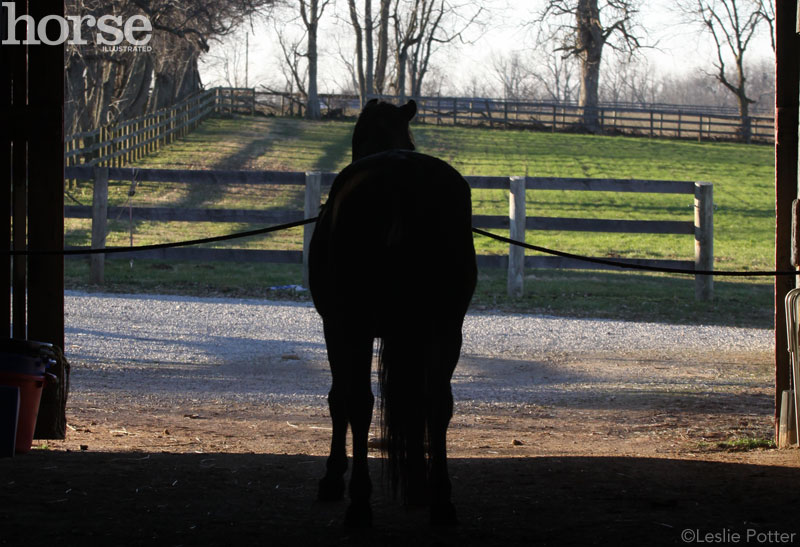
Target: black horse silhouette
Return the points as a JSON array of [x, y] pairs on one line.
[[392, 258]]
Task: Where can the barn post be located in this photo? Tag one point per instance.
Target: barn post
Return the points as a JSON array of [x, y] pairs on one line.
[[703, 239], [6, 103], [99, 218], [310, 209], [516, 231], [45, 118], [787, 74]]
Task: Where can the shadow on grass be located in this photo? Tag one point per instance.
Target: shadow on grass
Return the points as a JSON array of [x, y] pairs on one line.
[[631, 297], [60, 498]]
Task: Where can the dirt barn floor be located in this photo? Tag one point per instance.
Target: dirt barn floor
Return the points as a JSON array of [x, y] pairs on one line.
[[575, 465]]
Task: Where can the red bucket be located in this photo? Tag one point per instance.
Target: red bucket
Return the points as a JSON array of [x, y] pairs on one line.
[[30, 394], [23, 365]]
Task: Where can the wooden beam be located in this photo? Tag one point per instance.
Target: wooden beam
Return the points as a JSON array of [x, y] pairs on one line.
[[516, 231], [46, 214], [786, 188], [203, 254], [704, 239], [19, 190], [6, 63], [99, 220], [179, 214]]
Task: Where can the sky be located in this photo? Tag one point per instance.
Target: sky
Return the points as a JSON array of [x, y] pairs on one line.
[[678, 46]]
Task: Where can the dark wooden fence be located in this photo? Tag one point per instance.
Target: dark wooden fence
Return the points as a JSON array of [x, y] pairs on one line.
[[701, 228], [123, 142], [658, 120]]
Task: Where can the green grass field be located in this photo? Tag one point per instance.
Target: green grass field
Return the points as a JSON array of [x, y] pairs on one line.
[[743, 217]]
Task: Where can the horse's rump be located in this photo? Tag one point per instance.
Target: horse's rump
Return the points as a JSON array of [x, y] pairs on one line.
[[396, 239]]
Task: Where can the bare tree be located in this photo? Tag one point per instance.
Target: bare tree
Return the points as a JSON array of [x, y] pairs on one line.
[[767, 8], [363, 68], [311, 12], [383, 46], [630, 81], [732, 24], [557, 75], [441, 23], [189, 27], [301, 65], [583, 28], [694, 88], [762, 84], [292, 63], [102, 86], [420, 27], [514, 76], [229, 60], [406, 33]]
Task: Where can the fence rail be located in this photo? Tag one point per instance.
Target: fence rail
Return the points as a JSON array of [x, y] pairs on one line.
[[673, 121], [516, 222], [126, 141]]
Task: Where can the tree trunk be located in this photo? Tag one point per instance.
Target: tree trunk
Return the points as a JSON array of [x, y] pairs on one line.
[[369, 84], [589, 98], [362, 84], [400, 91], [383, 47], [312, 24], [312, 107], [75, 109], [163, 91], [133, 99], [189, 77], [590, 42], [744, 105], [105, 98]]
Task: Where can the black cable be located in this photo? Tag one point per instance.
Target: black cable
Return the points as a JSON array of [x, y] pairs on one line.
[[110, 250], [260, 231], [741, 273]]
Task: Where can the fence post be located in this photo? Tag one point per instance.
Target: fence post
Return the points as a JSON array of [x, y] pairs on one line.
[[310, 209], [516, 230], [703, 239], [99, 216]]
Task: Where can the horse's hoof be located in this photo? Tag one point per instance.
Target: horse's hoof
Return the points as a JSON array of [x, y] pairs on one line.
[[358, 515], [330, 489], [443, 514]]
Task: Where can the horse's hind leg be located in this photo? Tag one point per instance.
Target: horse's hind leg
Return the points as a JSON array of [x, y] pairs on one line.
[[360, 402], [331, 486], [350, 401], [440, 410]]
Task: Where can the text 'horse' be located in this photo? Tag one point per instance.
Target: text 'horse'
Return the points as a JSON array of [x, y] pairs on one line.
[[392, 258]]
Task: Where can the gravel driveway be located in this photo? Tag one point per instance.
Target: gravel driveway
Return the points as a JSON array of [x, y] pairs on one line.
[[262, 351]]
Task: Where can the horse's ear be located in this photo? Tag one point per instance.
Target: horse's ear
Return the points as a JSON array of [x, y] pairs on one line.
[[410, 109]]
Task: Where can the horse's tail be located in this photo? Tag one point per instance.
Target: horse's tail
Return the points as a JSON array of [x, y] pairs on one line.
[[403, 403]]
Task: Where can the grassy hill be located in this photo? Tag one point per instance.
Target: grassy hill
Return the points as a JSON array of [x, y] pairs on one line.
[[743, 218]]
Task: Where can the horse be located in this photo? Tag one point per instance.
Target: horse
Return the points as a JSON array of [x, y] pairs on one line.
[[392, 258]]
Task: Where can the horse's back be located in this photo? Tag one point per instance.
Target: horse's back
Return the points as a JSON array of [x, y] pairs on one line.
[[395, 235]]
